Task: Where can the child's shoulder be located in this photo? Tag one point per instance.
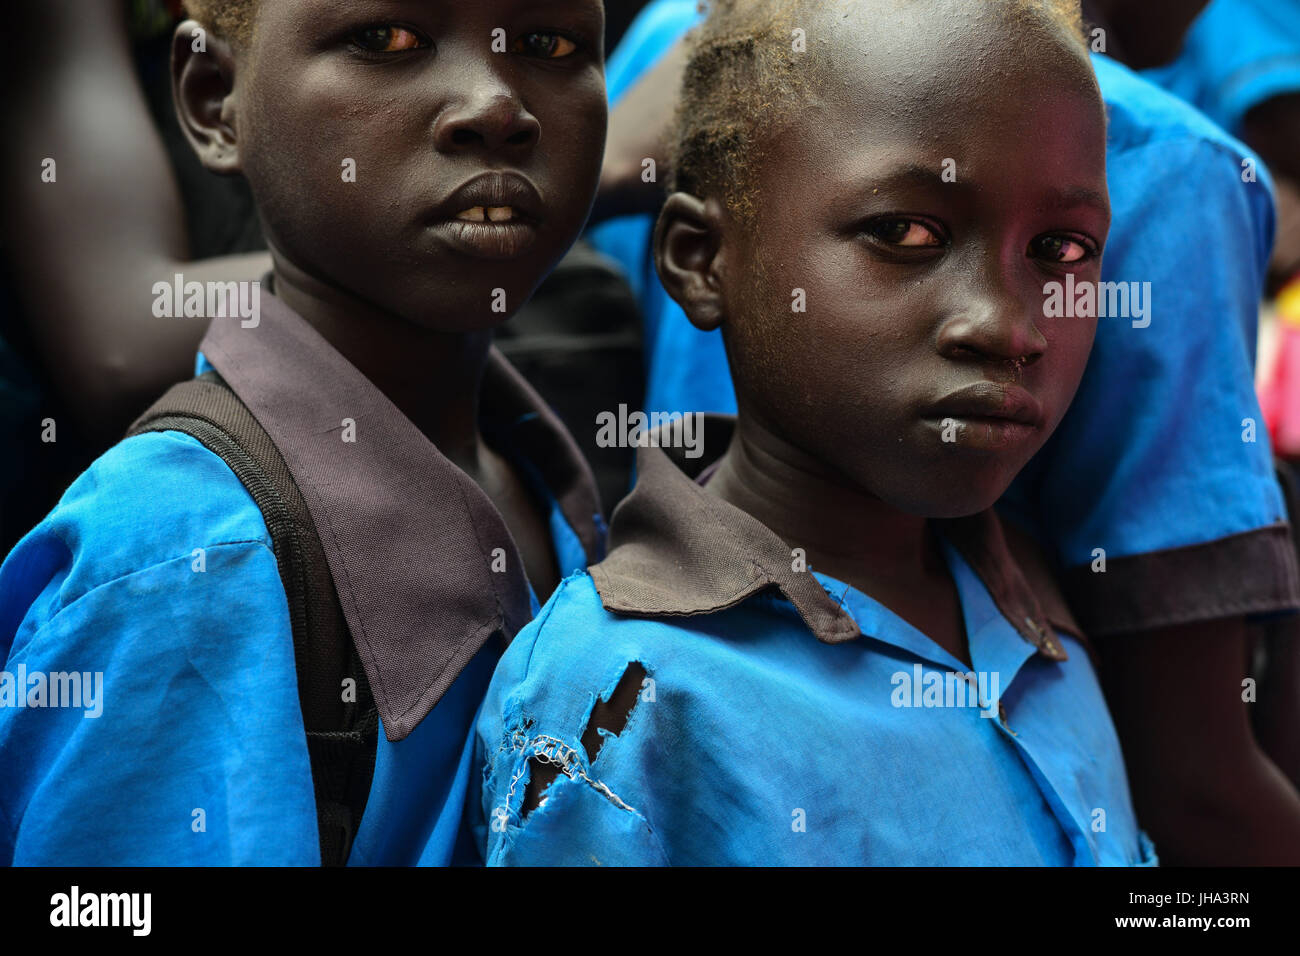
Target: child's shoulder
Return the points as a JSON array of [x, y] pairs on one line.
[[150, 501], [1142, 114], [154, 490], [1153, 136], [573, 629], [575, 647]]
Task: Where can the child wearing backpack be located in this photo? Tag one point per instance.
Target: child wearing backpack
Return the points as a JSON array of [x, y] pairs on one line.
[[334, 529]]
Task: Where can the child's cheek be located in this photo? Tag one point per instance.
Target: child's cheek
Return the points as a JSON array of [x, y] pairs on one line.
[[578, 119]]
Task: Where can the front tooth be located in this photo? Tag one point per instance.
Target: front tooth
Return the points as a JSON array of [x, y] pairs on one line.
[[500, 213], [473, 214]]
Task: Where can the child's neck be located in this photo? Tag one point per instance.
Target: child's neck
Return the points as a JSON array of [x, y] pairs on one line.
[[433, 377], [845, 532]]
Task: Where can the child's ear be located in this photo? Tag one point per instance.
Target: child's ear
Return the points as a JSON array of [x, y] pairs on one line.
[[202, 83], [689, 257]]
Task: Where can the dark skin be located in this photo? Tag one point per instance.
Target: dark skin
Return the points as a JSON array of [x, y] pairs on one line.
[[87, 249], [1273, 130], [1204, 796], [916, 289], [387, 268], [637, 127]]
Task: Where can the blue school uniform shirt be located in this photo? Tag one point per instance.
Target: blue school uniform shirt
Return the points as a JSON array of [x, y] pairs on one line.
[[785, 718], [1237, 55], [1162, 468], [156, 571]]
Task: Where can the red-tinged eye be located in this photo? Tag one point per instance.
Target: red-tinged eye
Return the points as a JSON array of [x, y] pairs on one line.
[[1060, 249], [548, 46], [904, 232], [386, 39]]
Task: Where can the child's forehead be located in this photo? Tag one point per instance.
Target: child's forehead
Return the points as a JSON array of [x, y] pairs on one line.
[[884, 56], [904, 35], [906, 125], [893, 121], [387, 7], [294, 14]]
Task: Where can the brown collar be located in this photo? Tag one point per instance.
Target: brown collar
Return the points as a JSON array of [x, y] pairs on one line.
[[408, 536], [676, 550]]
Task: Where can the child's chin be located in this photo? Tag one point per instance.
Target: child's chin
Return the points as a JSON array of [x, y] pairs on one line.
[[458, 321], [957, 498], [960, 509], [465, 324]]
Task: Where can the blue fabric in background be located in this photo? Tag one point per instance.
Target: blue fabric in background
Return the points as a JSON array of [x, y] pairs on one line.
[[1237, 54]]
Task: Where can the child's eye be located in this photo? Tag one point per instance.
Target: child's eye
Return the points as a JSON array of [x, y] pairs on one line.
[[548, 46], [903, 232], [387, 38], [1062, 249]]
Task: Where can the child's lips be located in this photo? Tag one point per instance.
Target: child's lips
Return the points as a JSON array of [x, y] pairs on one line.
[[487, 239], [1009, 403], [494, 215], [987, 415]]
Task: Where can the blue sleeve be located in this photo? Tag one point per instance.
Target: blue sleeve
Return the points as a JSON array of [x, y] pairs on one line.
[[1237, 55], [534, 707], [153, 581], [657, 27]]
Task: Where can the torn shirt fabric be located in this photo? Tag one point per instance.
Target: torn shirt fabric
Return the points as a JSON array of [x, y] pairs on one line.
[[786, 718]]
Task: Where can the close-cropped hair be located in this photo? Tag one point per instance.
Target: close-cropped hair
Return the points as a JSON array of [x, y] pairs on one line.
[[743, 77], [230, 19]]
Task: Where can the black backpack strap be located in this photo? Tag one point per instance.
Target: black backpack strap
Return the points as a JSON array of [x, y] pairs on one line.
[[342, 728]]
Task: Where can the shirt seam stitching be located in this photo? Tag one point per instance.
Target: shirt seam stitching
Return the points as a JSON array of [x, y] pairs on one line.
[[150, 567]]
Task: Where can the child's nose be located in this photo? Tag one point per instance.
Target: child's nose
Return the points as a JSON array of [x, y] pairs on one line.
[[490, 117], [993, 322]]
